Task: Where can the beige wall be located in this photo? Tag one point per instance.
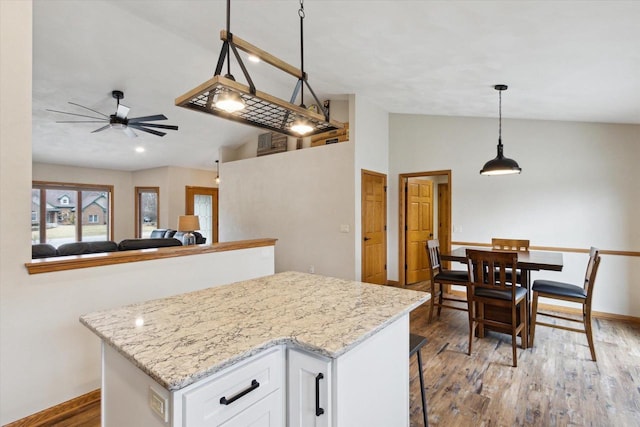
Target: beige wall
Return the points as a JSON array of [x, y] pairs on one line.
[[301, 198], [580, 186]]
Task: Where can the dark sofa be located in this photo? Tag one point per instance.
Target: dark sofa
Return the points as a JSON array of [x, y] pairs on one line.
[[167, 232], [159, 238]]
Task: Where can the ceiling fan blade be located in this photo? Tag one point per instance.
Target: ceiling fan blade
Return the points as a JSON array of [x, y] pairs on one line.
[[102, 128], [130, 133], [153, 125], [81, 121], [74, 114], [148, 118], [155, 132], [98, 112], [122, 111]]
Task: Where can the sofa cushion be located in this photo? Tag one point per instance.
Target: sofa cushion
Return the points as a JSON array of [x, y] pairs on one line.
[[80, 248], [133, 244], [160, 233], [43, 250]]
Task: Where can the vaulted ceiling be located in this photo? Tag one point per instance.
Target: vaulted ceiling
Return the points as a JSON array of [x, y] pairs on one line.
[[576, 61]]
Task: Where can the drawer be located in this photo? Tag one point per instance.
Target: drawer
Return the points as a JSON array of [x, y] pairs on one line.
[[268, 412], [241, 386]]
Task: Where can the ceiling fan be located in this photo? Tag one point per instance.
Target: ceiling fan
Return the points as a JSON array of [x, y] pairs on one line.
[[119, 120]]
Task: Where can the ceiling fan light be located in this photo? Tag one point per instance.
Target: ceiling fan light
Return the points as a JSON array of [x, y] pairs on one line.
[[301, 126], [230, 101]]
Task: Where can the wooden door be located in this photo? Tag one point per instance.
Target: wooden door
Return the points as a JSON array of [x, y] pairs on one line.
[[444, 221], [203, 201], [419, 228], [374, 227]]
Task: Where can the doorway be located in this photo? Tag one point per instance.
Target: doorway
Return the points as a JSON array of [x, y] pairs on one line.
[[203, 201], [425, 213]]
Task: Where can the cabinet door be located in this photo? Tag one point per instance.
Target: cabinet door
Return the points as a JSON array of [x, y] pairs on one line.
[[309, 390]]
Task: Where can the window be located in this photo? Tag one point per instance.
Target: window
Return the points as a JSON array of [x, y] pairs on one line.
[[147, 207], [65, 213]]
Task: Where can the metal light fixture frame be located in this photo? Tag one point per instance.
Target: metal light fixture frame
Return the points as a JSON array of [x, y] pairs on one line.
[[501, 165], [261, 109]]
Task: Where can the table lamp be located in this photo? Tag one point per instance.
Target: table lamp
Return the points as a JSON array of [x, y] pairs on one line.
[[188, 224]]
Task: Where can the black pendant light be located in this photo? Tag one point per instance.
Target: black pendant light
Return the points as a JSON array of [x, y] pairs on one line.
[[500, 165]]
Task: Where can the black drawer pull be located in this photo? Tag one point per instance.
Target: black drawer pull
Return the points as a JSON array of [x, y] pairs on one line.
[[319, 410], [254, 385]]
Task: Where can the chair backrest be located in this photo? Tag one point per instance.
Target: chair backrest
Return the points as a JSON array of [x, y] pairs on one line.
[[433, 253], [592, 270], [489, 269], [518, 245]]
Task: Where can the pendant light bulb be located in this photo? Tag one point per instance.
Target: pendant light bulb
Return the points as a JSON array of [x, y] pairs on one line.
[[301, 126], [230, 101]]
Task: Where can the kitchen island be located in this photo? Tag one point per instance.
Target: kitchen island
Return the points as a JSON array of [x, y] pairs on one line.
[[288, 349]]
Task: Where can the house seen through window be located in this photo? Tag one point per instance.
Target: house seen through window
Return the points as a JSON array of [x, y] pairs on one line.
[[65, 213]]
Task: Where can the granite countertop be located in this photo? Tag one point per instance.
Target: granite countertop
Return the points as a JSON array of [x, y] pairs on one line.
[[180, 339]]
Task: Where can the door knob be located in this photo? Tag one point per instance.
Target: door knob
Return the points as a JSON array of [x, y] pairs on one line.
[[367, 238]]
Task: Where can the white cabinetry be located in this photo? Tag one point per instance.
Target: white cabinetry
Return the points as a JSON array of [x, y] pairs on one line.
[[367, 385], [250, 393], [309, 386]]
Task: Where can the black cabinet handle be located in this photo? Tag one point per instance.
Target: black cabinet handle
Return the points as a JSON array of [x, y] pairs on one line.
[[319, 410], [254, 385]]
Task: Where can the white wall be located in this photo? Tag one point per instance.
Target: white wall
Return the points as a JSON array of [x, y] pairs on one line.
[[299, 197], [370, 129], [580, 186], [46, 355]]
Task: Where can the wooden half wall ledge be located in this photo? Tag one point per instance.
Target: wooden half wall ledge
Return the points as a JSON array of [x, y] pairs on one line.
[[556, 249], [62, 263]]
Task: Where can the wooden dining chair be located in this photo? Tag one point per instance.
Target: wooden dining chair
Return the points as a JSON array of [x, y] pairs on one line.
[[488, 285], [440, 278], [517, 245], [569, 292]]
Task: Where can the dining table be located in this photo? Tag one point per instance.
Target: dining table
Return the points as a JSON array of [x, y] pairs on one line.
[[528, 261]]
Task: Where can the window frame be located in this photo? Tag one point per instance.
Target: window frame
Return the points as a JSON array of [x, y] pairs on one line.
[[42, 186], [138, 211]]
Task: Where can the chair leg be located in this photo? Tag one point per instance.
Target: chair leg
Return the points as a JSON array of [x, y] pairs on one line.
[[422, 392], [514, 336], [524, 335], [589, 331], [534, 314], [472, 323], [440, 296], [432, 301]]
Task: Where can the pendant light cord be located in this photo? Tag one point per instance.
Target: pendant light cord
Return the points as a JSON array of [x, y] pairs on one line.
[[500, 119], [302, 77], [228, 34]]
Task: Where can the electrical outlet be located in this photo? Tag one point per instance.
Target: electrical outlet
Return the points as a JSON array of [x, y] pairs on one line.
[[344, 228], [158, 404], [312, 269]]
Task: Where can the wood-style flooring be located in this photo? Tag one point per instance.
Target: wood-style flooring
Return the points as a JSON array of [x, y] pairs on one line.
[[555, 383]]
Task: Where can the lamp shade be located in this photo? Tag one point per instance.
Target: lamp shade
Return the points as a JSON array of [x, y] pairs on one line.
[[501, 165], [188, 223]]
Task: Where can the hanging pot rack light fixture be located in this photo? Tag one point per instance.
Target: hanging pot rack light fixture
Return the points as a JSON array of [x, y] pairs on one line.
[[224, 97], [500, 165]]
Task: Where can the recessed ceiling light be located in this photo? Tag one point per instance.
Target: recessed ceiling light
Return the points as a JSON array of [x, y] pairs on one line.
[[253, 58], [139, 149]]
